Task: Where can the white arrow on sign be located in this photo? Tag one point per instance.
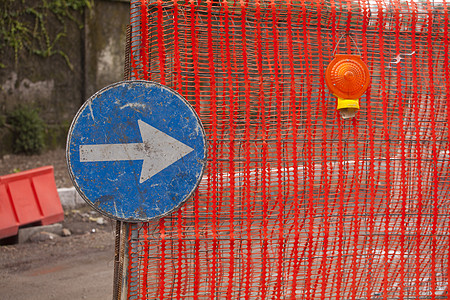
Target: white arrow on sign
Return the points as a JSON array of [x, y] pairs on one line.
[[158, 151]]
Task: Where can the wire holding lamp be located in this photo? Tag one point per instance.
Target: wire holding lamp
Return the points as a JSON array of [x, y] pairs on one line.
[[347, 77]]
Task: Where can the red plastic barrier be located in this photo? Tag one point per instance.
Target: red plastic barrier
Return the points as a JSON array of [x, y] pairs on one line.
[[28, 197]]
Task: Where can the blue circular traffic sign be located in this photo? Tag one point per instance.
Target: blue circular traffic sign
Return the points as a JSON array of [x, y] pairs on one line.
[[136, 151]]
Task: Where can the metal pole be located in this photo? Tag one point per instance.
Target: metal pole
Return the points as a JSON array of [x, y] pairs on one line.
[[121, 234]]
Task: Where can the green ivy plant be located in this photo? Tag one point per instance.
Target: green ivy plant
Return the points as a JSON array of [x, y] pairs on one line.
[[24, 25]]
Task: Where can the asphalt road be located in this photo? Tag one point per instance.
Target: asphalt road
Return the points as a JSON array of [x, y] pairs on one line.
[[76, 267], [88, 277]]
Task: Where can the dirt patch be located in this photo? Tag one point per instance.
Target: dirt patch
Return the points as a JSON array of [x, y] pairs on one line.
[[88, 237], [12, 163]]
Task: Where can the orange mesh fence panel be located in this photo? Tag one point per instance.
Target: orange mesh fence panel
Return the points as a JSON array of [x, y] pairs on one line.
[[297, 202]]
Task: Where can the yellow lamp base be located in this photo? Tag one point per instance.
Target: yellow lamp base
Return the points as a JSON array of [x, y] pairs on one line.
[[347, 103], [347, 107]]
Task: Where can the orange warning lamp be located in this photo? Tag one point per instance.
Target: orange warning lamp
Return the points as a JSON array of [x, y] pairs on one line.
[[348, 78]]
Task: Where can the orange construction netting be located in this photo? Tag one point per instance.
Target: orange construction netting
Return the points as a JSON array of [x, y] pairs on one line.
[[297, 202]]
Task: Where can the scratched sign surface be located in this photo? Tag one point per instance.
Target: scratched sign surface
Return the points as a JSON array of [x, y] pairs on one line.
[[136, 151]]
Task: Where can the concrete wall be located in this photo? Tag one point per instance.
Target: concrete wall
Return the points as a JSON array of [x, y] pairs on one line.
[[96, 52], [106, 28]]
